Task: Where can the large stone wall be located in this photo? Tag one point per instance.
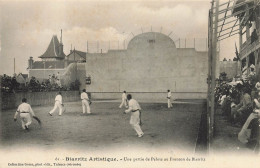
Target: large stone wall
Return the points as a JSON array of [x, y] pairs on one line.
[[229, 67], [68, 75], [42, 74], [151, 63], [75, 71], [150, 96]]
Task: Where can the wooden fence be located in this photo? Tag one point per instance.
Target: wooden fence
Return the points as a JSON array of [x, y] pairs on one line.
[[12, 100]]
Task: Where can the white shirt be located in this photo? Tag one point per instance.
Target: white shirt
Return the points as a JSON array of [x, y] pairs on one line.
[[169, 95], [58, 98], [133, 105], [84, 95], [123, 96], [24, 107]]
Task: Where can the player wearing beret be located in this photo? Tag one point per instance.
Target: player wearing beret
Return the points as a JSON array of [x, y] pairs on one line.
[[134, 109], [58, 104], [85, 101], [26, 112]]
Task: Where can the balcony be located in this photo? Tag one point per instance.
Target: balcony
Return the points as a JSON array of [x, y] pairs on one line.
[[248, 47]]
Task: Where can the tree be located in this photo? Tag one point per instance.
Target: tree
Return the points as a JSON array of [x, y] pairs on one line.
[[14, 84]]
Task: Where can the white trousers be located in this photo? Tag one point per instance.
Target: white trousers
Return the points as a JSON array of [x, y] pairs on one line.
[[84, 105], [169, 103], [25, 119], [57, 105], [123, 103], [135, 122]]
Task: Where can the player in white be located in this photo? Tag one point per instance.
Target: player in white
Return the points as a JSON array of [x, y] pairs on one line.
[[58, 104], [124, 100], [134, 109], [85, 101], [25, 111], [169, 94]]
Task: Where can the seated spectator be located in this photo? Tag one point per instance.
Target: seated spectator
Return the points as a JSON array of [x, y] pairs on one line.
[[257, 86], [233, 107], [225, 103], [250, 130], [240, 112]]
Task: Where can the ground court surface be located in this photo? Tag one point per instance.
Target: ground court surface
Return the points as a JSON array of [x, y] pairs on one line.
[[107, 127]]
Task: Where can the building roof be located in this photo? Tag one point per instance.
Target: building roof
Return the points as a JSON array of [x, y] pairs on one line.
[[80, 53], [23, 75], [22, 78], [53, 49], [48, 65]]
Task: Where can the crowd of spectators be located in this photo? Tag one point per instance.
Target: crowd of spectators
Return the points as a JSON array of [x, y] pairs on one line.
[[9, 84], [239, 101]]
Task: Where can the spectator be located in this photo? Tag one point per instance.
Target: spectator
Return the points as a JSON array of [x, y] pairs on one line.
[[9, 84], [225, 103], [257, 86], [249, 131], [241, 111], [50, 78]]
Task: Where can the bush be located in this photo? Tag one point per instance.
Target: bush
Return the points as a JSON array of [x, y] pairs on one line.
[[75, 85], [9, 84]]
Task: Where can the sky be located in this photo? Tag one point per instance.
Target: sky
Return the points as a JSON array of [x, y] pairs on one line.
[[28, 26]]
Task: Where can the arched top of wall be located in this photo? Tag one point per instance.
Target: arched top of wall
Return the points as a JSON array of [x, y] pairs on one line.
[[144, 40]]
